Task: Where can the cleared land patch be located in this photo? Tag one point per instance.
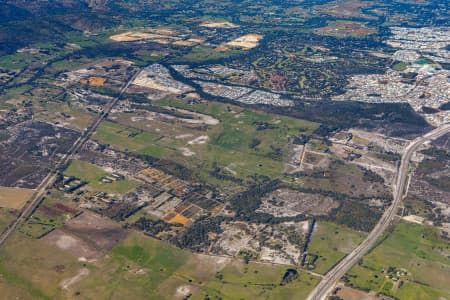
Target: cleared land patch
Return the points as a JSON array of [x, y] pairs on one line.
[[139, 267], [96, 230], [131, 36], [34, 267], [14, 198], [244, 141], [223, 24], [329, 243], [285, 203], [246, 42], [72, 245], [345, 29]]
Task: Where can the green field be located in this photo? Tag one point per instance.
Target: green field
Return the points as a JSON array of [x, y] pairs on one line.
[[117, 277], [139, 267], [20, 60], [46, 218], [256, 281], [416, 250], [93, 174], [127, 138], [79, 119], [331, 242], [400, 66], [28, 265], [228, 143]]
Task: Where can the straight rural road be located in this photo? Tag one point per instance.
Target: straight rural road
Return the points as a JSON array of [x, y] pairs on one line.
[[47, 183], [326, 285]]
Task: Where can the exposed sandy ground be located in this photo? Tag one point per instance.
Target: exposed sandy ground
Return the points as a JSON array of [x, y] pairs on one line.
[[96, 230], [184, 291], [188, 42], [247, 42], [261, 239], [66, 283], [184, 136], [14, 198], [158, 78], [155, 83], [72, 244], [237, 236], [132, 36], [199, 140], [224, 24], [414, 219], [187, 152], [285, 203]]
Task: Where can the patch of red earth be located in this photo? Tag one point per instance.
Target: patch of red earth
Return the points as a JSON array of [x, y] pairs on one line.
[[101, 232], [65, 209]]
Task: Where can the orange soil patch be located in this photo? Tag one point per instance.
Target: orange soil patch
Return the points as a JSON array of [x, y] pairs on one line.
[[224, 24], [169, 216], [161, 41], [14, 198], [246, 42], [180, 220], [222, 48], [216, 209], [94, 81], [320, 48], [165, 31]]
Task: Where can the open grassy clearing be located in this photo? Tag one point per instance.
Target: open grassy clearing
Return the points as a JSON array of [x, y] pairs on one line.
[[32, 268], [20, 60], [244, 141], [54, 211], [66, 114], [14, 198], [14, 96], [38, 269], [415, 250], [256, 281], [344, 178], [138, 267], [6, 217], [331, 242], [93, 175], [133, 270], [126, 138]]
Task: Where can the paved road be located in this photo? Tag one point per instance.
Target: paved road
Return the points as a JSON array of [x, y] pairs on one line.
[[48, 181], [326, 285]]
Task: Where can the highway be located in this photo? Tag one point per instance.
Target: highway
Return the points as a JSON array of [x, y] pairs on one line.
[[49, 180], [326, 285]]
